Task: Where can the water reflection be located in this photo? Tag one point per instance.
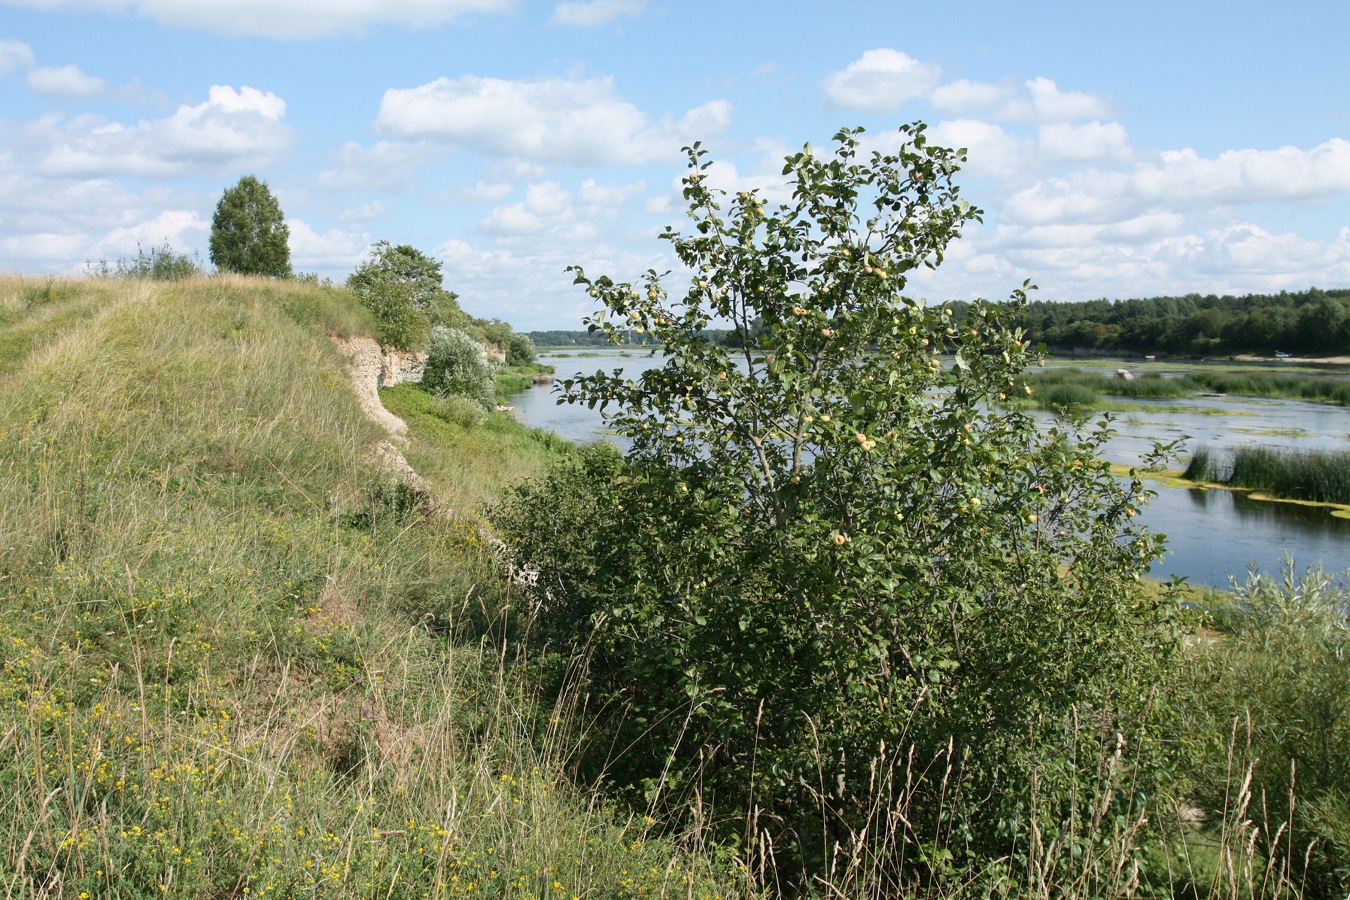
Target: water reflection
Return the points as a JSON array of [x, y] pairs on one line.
[[1214, 533]]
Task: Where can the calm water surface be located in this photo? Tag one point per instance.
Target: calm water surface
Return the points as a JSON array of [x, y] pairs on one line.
[[1211, 534]]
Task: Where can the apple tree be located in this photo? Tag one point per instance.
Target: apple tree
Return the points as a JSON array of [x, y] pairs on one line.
[[843, 602]]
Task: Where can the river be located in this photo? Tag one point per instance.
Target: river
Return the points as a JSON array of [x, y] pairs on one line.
[[1211, 534]]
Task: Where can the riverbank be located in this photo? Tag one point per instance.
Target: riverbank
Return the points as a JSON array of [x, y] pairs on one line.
[[242, 657]]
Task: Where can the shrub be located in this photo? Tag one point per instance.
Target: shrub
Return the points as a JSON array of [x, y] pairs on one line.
[[1270, 699], [834, 607], [399, 324], [160, 263], [461, 411], [457, 364], [520, 350]]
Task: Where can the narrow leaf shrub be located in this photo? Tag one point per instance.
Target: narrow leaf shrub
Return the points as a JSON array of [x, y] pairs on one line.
[[459, 365], [459, 410], [161, 263], [400, 324]]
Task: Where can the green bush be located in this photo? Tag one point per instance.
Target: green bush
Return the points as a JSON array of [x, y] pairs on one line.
[[520, 350], [160, 263], [461, 411], [835, 607], [1270, 699], [400, 325], [459, 365]]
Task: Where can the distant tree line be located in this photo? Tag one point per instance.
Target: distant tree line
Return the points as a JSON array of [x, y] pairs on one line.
[[722, 336], [1301, 323], [563, 338]]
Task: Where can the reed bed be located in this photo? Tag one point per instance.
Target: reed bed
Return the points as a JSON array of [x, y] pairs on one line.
[[1074, 387], [1321, 476]]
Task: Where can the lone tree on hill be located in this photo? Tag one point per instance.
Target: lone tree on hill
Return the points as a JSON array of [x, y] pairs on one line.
[[249, 232]]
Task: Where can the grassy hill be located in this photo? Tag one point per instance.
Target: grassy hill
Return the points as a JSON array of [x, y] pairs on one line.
[[237, 660]]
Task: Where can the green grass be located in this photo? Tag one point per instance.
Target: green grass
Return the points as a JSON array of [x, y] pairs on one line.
[[514, 379], [1268, 384], [235, 660], [1202, 467]]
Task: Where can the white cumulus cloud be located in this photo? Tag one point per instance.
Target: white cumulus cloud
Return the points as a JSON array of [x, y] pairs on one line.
[[1090, 142], [179, 228], [881, 81], [573, 216], [386, 167], [1248, 176], [575, 122], [969, 98], [991, 151], [14, 55], [231, 129], [1037, 100], [1184, 182], [64, 81], [282, 19], [595, 13], [334, 249], [1045, 102]]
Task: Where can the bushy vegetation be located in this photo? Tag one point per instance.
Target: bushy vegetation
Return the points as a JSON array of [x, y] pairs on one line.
[[1267, 703], [161, 263], [831, 608], [520, 350], [237, 660], [458, 365], [841, 624], [405, 290]]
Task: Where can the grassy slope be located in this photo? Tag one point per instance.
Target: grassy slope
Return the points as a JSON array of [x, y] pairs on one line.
[[235, 663]]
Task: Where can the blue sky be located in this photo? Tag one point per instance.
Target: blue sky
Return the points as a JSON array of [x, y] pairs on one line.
[[1119, 150]]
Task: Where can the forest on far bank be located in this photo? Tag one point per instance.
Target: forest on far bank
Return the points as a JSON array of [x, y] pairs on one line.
[[1302, 323]]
